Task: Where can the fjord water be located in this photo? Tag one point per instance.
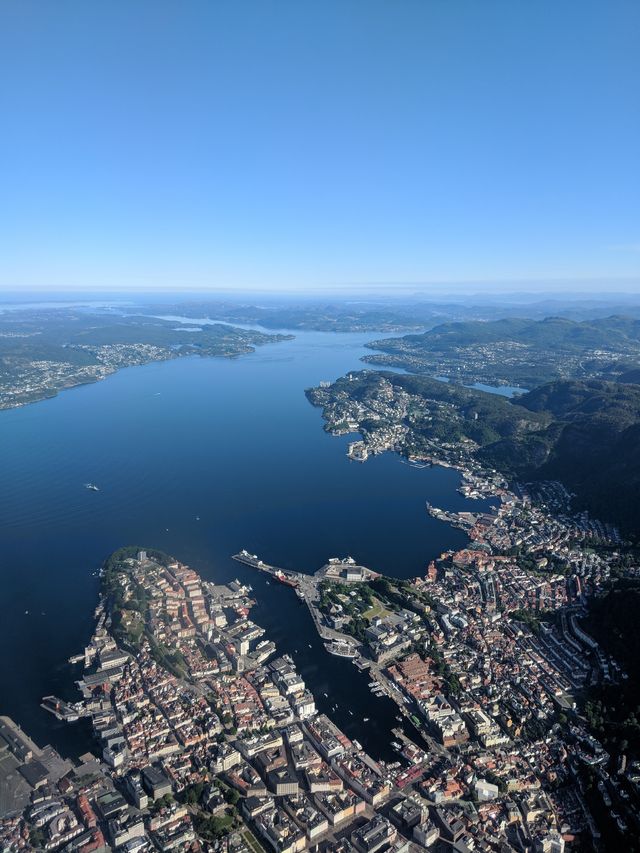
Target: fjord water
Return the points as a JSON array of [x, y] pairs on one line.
[[200, 458]]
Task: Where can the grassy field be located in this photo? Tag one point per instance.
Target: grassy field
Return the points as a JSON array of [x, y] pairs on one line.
[[377, 610], [252, 841]]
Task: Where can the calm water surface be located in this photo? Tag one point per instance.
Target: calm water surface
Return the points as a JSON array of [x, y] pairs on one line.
[[233, 442]]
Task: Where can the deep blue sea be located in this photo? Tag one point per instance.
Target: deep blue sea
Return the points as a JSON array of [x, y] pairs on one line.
[[234, 443]]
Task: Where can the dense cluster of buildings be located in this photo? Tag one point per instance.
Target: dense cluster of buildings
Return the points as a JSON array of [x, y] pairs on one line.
[[209, 741], [501, 655], [496, 363], [195, 726]]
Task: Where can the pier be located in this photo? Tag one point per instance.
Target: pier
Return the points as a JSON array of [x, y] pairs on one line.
[[65, 711], [284, 576], [306, 587]]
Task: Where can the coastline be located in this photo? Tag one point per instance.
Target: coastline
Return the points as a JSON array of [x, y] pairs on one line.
[[103, 371]]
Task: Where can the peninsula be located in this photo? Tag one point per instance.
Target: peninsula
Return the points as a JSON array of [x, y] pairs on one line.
[[43, 351], [523, 352], [207, 739], [519, 625]]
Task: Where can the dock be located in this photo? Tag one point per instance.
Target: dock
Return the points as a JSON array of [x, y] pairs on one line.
[[65, 711], [285, 576], [306, 588]]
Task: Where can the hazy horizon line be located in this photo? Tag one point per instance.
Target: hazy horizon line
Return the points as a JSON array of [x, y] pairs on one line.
[[596, 287]]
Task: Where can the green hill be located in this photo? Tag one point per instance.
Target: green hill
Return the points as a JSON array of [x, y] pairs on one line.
[[592, 444], [521, 352], [583, 433]]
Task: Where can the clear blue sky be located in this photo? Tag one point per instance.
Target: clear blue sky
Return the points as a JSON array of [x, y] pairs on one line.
[[284, 144]]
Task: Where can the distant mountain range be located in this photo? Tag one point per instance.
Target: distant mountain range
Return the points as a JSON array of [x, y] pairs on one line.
[[384, 313]]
